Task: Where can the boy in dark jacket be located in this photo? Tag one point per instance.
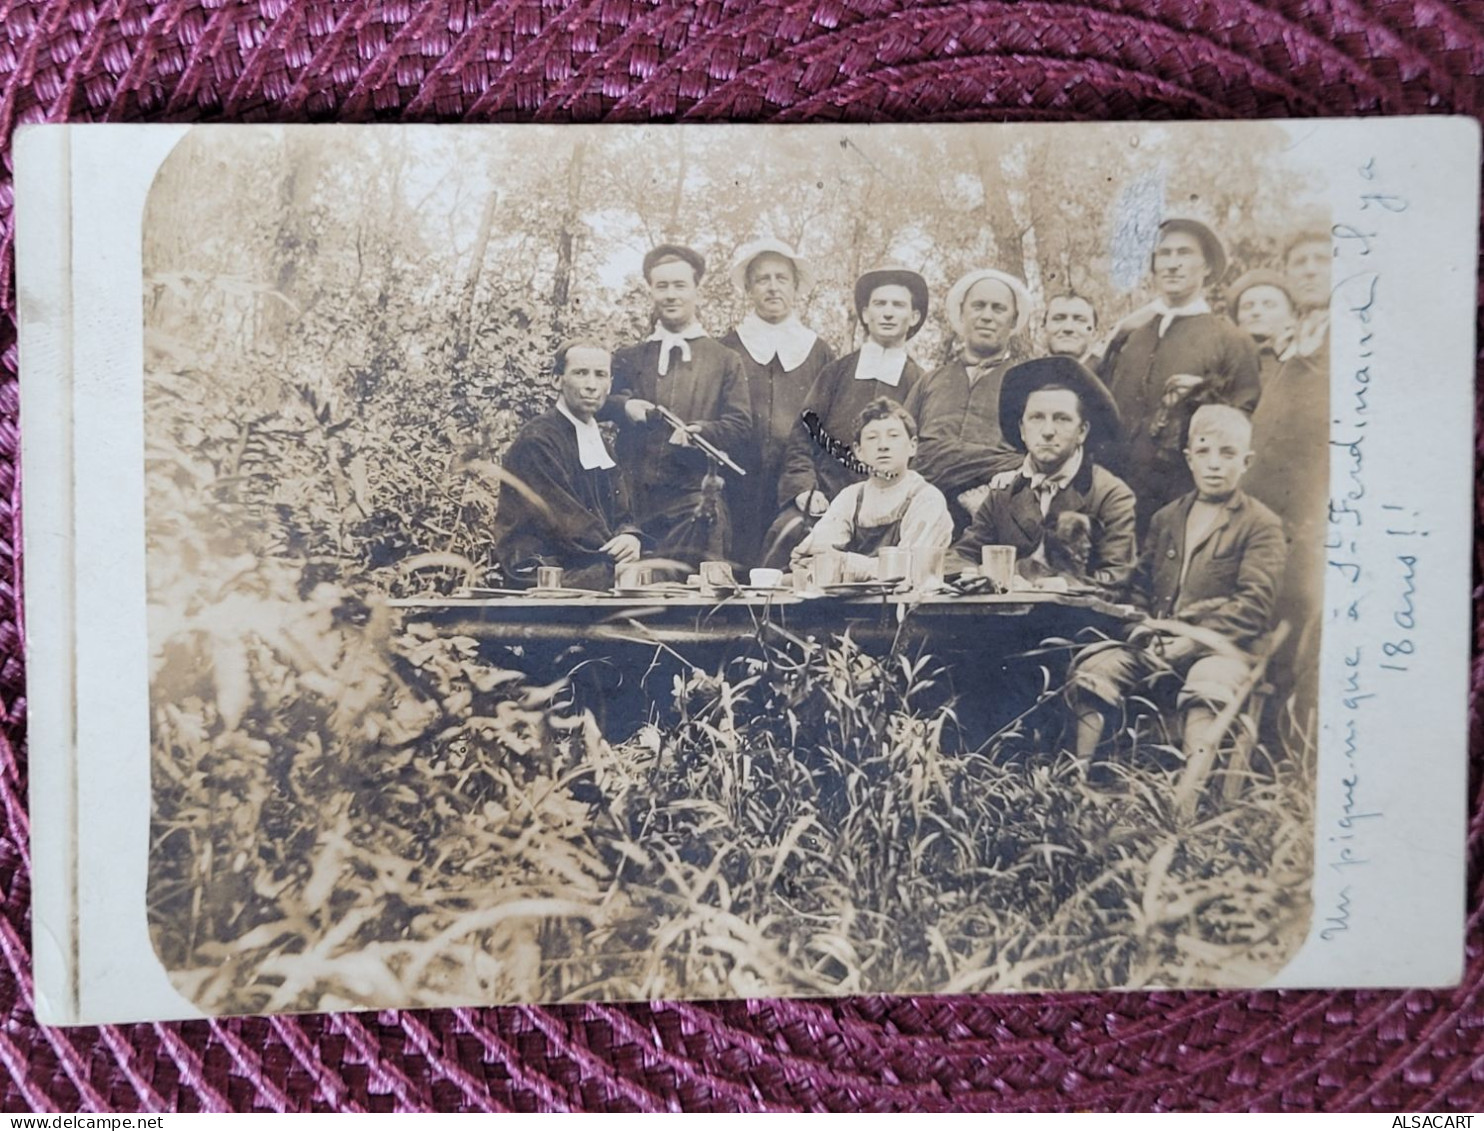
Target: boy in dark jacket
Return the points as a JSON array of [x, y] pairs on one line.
[[1211, 569]]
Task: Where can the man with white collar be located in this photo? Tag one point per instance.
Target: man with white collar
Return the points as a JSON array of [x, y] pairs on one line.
[[891, 305], [1057, 412], [960, 448], [781, 357], [564, 502], [1163, 366], [680, 368]]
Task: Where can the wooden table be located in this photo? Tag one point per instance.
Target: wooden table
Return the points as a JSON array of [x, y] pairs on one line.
[[994, 622], [622, 653]]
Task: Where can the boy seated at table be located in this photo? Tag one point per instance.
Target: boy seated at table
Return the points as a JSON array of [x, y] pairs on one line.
[[892, 507], [1209, 575]]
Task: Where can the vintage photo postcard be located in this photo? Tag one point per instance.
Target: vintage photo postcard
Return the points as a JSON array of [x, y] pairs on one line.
[[472, 565]]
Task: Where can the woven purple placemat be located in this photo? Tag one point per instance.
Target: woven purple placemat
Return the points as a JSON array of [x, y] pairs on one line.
[[787, 60]]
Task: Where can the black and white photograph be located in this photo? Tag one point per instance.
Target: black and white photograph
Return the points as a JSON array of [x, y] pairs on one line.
[[614, 564], [605, 563]]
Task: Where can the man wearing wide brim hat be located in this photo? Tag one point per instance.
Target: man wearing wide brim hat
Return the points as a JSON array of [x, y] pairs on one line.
[[782, 358], [891, 304], [1172, 357], [1064, 514], [957, 405]]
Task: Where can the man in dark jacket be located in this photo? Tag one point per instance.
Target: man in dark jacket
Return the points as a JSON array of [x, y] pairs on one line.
[[891, 304], [1211, 569], [959, 446], [564, 502], [678, 498], [1173, 357], [1065, 515], [781, 357], [1291, 430]]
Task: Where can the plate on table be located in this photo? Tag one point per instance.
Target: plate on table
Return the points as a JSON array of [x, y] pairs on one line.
[[562, 594], [860, 588], [664, 589]]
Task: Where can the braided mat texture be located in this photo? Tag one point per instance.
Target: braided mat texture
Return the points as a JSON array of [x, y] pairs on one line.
[[775, 60]]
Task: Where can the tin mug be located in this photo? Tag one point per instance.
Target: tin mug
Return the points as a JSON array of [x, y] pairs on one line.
[[548, 577], [718, 575], [893, 563], [927, 567], [999, 565], [829, 568], [628, 576]]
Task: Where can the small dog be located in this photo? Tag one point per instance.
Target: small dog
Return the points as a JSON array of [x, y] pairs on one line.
[[1068, 549]]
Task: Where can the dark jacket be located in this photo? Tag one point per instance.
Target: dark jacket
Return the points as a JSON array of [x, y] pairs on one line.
[[777, 397], [583, 509], [710, 390], [1235, 573], [1011, 516], [837, 398], [958, 428], [1136, 367]]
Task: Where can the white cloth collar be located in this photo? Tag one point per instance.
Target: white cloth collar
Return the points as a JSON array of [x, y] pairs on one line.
[[878, 364], [592, 453], [1168, 314], [680, 341], [789, 341]]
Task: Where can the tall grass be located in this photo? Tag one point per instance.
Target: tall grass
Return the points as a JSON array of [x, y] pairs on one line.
[[386, 819]]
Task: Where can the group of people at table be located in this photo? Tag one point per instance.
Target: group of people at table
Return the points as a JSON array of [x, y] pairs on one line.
[[1178, 462]]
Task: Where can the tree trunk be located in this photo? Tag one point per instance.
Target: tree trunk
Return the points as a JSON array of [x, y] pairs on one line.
[[990, 152], [464, 330], [561, 287], [674, 232]]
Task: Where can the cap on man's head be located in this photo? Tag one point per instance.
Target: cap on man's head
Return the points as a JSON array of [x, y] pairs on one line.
[[1211, 245], [1304, 236], [674, 253], [960, 291], [1221, 421], [892, 275], [742, 262], [1260, 277]]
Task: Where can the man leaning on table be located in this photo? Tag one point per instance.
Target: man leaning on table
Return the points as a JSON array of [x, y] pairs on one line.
[[564, 502], [1064, 514]]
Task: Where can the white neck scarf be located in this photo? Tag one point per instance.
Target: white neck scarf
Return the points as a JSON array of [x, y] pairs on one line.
[[1168, 314], [1047, 486], [592, 453], [680, 341], [877, 364], [789, 341]]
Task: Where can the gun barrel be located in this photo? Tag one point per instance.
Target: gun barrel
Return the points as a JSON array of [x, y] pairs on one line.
[[700, 442]]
